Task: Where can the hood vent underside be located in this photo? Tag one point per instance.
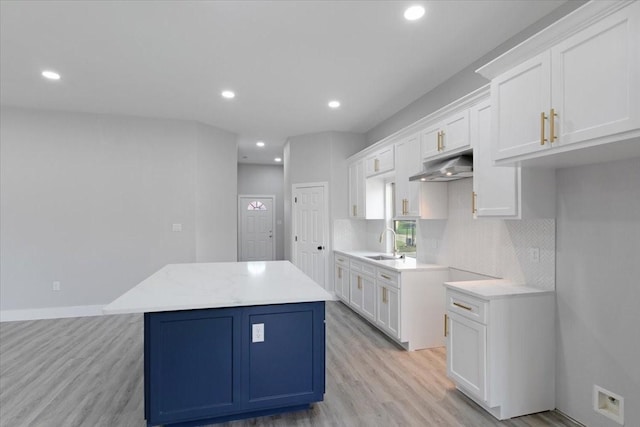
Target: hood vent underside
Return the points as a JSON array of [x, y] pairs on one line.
[[446, 170]]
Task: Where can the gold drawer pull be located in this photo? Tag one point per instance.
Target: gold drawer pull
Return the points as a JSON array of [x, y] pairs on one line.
[[385, 276], [384, 295], [446, 331], [376, 165], [359, 282], [457, 304], [474, 198]]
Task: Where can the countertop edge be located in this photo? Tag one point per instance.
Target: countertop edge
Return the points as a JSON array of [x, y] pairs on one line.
[[361, 256], [522, 290]]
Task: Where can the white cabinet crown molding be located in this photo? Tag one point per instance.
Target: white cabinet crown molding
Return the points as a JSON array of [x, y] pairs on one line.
[[419, 125], [565, 27]]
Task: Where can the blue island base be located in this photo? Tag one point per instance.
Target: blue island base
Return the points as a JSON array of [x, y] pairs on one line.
[[216, 365], [241, 416]]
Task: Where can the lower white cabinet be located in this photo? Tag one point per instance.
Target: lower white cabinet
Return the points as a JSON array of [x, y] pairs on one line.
[[406, 305], [341, 278], [500, 346]]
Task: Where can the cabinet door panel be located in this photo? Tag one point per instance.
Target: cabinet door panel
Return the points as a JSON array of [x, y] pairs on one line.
[[456, 131], [355, 299], [496, 188], [595, 79], [408, 163], [518, 97], [393, 301], [369, 298], [192, 372], [466, 354], [429, 142], [383, 308]]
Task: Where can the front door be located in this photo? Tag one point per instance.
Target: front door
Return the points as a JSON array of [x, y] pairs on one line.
[[310, 230], [256, 242]]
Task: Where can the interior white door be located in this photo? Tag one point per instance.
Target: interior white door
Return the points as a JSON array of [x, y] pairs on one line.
[[256, 228], [310, 231]]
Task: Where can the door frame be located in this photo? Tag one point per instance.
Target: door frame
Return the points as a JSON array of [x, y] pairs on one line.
[[273, 217], [325, 225]]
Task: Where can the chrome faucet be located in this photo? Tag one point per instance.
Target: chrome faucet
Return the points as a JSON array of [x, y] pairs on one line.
[[395, 247]]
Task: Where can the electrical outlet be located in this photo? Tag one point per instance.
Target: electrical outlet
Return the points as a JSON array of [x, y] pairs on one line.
[[257, 330], [534, 254], [55, 286]]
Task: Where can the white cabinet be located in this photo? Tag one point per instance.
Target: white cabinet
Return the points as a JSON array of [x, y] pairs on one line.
[[363, 289], [414, 199], [388, 303], [466, 363], [341, 277], [507, 192], [581, 92], [408, 163], [449, 136], [380, 162], [357, 188], [406, 305], [500, 347]]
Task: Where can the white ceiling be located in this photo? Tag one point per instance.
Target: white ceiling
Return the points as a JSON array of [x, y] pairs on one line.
[[284, 59]]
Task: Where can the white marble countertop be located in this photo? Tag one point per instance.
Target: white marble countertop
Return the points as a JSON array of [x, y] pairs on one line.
[[406, 264], [215, 285], [492, 289]]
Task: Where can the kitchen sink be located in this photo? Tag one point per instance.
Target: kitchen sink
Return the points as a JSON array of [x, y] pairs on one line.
[[381, 257]]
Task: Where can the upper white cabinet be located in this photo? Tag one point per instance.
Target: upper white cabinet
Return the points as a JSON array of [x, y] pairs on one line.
[[380, 162], [449, 136], [408, 163], [357, 190], [507, 192], [578, 89]]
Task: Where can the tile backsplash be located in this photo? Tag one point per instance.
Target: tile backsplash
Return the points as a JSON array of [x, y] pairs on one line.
[[498, 248], [491, 247]]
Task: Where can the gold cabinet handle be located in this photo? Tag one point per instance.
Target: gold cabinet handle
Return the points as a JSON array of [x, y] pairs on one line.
[[552, 125], [442, 140], [543, 117], [341, 259], [339, 273], [457, 304], [446, 331], [439, 140], [385, 276], [474, 198], [355, 210], [359, 282], [376, 165], [405, 203]]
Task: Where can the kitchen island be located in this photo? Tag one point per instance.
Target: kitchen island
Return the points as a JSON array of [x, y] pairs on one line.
[[225, 341]]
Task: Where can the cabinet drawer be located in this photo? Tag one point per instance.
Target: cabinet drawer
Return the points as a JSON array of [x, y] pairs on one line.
[[389, 277], [342, 260], [362, 267], [467, 306]]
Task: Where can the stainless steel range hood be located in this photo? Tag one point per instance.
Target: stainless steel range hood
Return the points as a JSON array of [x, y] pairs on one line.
[[446, 169]]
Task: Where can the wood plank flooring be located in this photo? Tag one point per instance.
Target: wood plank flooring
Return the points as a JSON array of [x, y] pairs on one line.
[[88, 372]]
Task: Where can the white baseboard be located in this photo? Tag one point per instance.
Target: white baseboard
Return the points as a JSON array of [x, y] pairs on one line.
[[50, 313]]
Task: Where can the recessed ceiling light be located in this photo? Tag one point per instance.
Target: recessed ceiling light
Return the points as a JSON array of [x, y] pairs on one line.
[[277, 159], [413, 13], [228, 94], [260, 144], [51, 75], [334, 104]]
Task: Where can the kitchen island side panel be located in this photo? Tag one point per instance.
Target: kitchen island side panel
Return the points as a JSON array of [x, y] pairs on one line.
[[205, 365]]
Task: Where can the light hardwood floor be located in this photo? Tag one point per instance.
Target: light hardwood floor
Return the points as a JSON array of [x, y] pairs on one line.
[[88, 372]]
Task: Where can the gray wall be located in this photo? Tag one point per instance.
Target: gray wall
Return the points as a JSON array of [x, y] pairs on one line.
[[89, 200], [319, 157], [266, 180], [598, 288], [463, 82]]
